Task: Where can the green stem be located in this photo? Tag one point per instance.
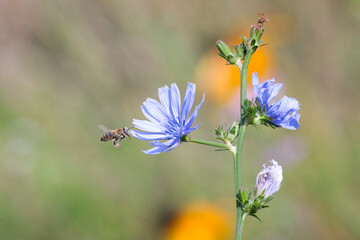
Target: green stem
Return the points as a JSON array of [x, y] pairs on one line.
[[243, 69], [238, 157], [208, 143], [240, 216]]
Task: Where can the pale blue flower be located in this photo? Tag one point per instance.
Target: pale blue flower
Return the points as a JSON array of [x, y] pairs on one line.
[[168, 120], [269, 179], [283, 113]]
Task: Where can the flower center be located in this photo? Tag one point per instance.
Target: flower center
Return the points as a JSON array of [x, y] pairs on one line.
[[173, 128]]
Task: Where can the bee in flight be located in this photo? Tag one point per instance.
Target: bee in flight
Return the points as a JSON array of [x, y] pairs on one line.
[[115, 135]]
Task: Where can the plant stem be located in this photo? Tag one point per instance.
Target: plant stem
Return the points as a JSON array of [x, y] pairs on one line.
[[208, 143], [237, 158]]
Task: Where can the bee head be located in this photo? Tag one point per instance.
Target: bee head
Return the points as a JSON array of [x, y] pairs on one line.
[[126, 131]]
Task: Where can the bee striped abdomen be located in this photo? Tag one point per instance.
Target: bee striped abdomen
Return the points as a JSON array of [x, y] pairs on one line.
[[106, 137]]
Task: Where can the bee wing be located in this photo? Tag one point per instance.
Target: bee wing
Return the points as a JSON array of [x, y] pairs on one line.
[[103, 128]]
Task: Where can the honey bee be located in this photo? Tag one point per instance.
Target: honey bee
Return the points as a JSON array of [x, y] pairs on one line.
[[115, 135]]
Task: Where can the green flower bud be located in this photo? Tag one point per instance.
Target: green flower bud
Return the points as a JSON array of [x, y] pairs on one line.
[[225, 52], [256, 32], [229, 134], [250, 204], [257, 120]]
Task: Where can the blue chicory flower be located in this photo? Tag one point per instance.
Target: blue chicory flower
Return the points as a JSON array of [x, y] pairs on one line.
[[167, 119], [269, 179], [283, 113]]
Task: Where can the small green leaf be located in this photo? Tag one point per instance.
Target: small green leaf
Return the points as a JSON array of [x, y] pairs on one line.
[[253, 215]]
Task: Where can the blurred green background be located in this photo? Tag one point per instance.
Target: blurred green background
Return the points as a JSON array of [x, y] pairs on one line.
[[67, 66]]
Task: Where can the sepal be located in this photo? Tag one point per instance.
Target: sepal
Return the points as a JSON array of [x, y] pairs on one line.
[[251, 112], [256, 115], [255, 38], [228, 134], [240, 51], [250, 204]]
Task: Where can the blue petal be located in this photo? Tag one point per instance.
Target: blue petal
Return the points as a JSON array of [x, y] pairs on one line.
[[175, 101], [283, 107], [191, 119], [153, 103], [156, 110], [284, 113], [161, 147], [188, 101], [174, 144], [149, 115], [255, 82], [157, 143], [148, 135], [147, 125], [291, 122], [271, 92], [188, 130], [151, 111], [162, 144], [261, 94], [263, 86], [164, 98], [155, 150]]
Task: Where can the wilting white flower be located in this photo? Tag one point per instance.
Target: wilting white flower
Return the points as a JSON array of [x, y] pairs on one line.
[[269, 179]]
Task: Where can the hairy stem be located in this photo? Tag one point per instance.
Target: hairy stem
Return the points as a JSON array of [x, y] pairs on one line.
[[240, 216], [208, 143]]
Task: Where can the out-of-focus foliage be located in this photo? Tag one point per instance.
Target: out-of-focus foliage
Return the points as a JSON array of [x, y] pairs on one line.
[[67, 66]]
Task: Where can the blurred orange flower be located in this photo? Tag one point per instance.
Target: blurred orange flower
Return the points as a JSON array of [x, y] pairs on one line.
[[200, 221]]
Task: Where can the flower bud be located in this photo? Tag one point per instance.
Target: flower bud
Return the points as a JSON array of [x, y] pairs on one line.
[[256, 120], [225, 52], [256, 32], [228, 134], [269, 179]]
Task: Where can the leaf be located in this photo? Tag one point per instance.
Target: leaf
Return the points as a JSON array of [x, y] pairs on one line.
[[221, 149], [256, 217]]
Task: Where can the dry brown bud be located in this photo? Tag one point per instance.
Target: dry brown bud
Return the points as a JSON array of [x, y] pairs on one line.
[[262, 19]]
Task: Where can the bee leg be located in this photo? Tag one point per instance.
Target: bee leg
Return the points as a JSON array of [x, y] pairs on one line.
[[127, 134], [116, 144]]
